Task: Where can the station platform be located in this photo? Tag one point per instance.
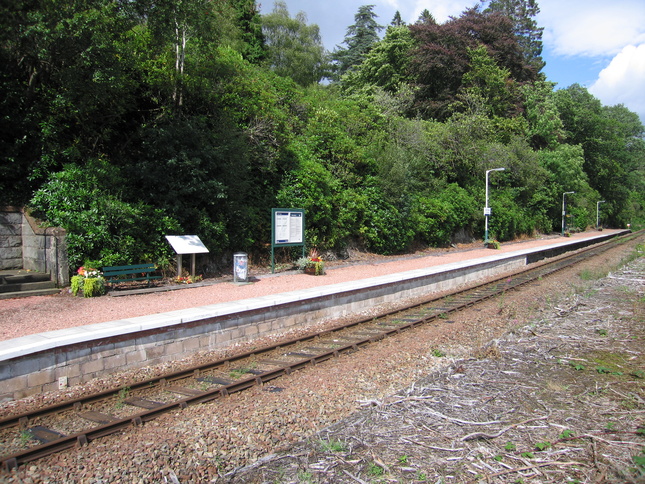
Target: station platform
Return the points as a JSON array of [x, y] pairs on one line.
[[50, 360]]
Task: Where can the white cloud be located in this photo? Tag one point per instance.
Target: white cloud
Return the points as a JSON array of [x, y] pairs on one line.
[[593, 27], [622, 81], [391, 3], [440, 10]]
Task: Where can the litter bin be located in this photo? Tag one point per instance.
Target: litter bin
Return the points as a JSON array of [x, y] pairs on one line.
[[240, 267]]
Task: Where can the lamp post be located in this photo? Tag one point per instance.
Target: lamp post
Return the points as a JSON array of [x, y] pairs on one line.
[[486, 208], [564, 210], [598, 214]]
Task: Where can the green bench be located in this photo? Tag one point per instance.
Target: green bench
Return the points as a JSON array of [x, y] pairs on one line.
[[137, 272]]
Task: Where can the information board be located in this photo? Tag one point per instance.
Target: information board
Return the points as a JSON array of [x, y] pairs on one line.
[[287, 229], [186, 244]]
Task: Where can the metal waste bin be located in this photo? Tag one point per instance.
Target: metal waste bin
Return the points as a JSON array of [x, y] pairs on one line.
[[240, 267]]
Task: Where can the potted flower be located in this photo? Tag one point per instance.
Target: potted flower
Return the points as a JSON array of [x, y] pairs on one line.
[[188, 279], [313, 264], [88, 280]]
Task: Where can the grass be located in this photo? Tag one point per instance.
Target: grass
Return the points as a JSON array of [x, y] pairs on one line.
[[375, 469], [25, 437], [240, 372], [121, 397], [305, 477], [593, 274], [332, 445]]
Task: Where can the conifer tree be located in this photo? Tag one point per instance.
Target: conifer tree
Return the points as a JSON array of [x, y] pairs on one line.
[[397, 21], [248, 18], [426, 18], [360, 38]]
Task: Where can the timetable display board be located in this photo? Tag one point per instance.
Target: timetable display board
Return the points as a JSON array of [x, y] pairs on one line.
[[288, 226], [287, 230]]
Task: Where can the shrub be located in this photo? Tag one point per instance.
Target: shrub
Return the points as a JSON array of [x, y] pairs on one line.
[[437, 218], [100, 226]]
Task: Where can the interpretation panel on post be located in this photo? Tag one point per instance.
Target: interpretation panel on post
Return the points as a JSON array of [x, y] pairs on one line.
[[186, 244]]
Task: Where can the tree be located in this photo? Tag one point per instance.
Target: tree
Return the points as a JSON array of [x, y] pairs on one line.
[[250, 23], [397, 21], [426, 18], [386, 65], [360, 38], [523, 13], [294, 49], [441, 58], [544, 124], [612, 142], [66, 75], [491, 83]]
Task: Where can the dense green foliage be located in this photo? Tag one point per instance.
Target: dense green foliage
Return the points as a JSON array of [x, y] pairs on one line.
[[124, 121]]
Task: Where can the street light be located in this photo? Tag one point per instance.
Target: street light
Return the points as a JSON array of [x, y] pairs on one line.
[[598, 213], [486, 208], [564, 210]]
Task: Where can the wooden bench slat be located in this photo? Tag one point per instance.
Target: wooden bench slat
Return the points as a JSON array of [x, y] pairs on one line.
[[117, 273], [114, 274], [133, 267], [133, 279]]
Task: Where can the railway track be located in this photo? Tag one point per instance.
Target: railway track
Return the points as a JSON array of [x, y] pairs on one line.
[[30, 436]]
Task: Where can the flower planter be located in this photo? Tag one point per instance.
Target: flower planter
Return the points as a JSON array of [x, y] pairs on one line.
[[313, 265]]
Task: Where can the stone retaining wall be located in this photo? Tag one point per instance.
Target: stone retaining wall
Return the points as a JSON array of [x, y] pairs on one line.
[[24, 244], [10, 238]]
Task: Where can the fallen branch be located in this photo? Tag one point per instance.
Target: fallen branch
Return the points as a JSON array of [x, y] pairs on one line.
[[372, 402], [481, 435], [465, 422], [259, 463], [534, 466], [618, 442], [354, 477], [432, 446]]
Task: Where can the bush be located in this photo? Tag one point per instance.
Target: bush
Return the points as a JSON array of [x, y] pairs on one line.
[[437, 218], [91, 286], [100, 226], [386, 230]]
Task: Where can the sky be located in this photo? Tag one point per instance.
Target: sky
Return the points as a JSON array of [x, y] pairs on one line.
[[598, 44]]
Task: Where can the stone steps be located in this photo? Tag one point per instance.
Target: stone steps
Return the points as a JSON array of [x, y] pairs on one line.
[[21, 283]]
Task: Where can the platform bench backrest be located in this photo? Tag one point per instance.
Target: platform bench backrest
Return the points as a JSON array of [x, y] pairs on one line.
[[137, 272]]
